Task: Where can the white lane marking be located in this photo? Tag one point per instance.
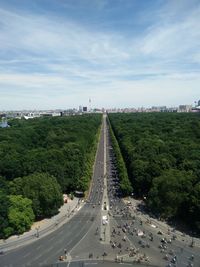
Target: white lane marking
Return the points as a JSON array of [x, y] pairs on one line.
[[61, 233], [52, 238], [38, 247], [90, 263], [58, 241], [48, 249], [27, 254], [42, 263], [81, 238]]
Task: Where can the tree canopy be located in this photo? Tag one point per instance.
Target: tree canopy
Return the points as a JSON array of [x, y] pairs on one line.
[[41, 158], [42, 189], [162, 156]]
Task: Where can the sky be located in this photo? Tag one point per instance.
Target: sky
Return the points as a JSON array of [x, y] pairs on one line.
[[118, 53]]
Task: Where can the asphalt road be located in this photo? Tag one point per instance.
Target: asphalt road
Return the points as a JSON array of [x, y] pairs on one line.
[[81, 239]]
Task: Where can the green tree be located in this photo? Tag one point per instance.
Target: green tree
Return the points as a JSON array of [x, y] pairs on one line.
[[170, 192], [42, 189], [20, 214], [194, 207], [4, 200]]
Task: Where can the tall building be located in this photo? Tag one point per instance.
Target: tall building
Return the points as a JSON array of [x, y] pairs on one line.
[[185, 108]]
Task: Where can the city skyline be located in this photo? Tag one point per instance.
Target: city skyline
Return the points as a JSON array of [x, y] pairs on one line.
[[58, 54]]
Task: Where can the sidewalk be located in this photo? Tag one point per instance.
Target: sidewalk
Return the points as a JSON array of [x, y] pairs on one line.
[[42, 228]]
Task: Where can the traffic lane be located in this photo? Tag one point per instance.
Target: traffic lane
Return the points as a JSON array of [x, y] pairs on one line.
[[51, 252], [90, 244], [62, 237], [57, 251]]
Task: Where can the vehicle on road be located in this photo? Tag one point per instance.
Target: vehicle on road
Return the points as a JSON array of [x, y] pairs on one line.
[[104, 219]]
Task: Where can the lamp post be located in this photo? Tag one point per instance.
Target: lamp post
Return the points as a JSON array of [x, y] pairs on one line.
[[65, 251], [37, 231]]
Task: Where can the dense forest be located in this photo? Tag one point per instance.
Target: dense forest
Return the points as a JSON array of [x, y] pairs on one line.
[[39, 160], [162, 155]]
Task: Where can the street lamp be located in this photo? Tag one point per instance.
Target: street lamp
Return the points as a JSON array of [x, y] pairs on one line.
[[65, 251], [37, 231]]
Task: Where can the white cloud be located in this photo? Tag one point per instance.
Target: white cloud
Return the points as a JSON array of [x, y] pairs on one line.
[[61, 61], [175, 40]]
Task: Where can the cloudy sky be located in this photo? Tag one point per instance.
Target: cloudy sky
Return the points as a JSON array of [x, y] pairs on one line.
[[119, 53]]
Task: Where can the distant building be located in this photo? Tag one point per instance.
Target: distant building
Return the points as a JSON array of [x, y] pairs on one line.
[[199, 103], [31, 115], [159, 109], [185, 108], [80, 109], [56, 114], [84, 109], [172, 109]]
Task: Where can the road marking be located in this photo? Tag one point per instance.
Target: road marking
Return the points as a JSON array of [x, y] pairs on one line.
[[36, 258], [51, 238], [61, 233], [125, 263], [27, 254], [38, 247], [90, 263], [42, 263], [81, 238], [48, 249], [58, 241]]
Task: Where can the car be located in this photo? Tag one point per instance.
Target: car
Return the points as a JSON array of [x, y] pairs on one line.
[[104, 219]]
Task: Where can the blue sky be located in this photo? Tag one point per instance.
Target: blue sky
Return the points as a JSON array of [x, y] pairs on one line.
[[119, 53]]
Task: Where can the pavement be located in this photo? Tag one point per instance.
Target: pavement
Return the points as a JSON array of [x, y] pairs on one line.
[[42, 228]]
